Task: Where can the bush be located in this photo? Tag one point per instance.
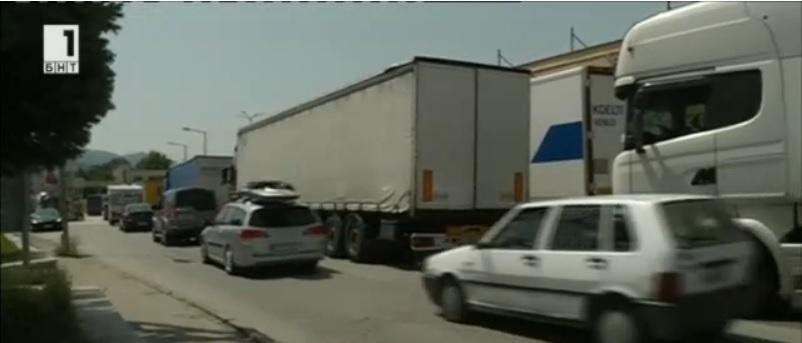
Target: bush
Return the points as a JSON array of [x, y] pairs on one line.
[[36, 307], [9, 252]]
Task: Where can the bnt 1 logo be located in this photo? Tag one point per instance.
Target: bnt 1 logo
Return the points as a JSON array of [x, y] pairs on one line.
[[61, 49]]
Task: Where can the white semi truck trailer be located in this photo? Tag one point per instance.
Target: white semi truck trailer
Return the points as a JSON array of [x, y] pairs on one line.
[[421, 156], [713, 93]]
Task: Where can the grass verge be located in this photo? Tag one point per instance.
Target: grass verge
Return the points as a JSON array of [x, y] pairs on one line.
[[36, 307], [9, 252]]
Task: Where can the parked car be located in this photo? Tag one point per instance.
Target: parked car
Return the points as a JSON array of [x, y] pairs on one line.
[[46, 218], [627, 267], [182, 214], [137, 216], [251, 233]]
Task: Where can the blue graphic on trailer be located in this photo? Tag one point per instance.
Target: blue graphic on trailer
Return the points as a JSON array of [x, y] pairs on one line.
[[562, 142]]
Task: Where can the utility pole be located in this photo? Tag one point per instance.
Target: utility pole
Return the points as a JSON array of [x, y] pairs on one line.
[[63, 208], [26, 218], [183, 146], [189, 129], [572, 38]]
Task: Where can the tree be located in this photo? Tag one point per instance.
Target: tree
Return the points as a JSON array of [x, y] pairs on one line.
[[102, 172], [154, 160], [46, 118]]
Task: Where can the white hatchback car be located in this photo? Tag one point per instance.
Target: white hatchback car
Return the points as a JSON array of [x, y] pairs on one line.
[[629, 268], [250, 234]]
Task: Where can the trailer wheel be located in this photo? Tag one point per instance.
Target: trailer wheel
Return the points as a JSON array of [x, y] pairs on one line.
[[356, 240], [336, 238]]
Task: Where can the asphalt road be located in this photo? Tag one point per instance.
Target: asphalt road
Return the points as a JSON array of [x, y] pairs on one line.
[[343, 303]]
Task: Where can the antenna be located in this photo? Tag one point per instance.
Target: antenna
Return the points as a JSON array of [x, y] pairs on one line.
[[500, 58]]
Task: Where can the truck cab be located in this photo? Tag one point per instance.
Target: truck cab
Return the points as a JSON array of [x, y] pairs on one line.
[[713, 100]]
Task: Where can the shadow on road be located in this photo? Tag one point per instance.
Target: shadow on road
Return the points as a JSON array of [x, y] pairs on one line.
[[165, 333], [529, 329], [282, 272], [553, 333]]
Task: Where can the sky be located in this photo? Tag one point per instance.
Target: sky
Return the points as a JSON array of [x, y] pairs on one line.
[[202, 64]]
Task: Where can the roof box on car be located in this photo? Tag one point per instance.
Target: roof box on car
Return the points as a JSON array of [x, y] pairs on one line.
[[267, 195]]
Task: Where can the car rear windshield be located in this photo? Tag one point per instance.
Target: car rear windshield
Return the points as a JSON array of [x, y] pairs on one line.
[[137, 208], [700, 222], [278, 216], [199, 199]]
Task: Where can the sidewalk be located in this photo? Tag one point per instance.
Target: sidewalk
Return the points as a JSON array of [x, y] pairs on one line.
[[115, 307], [154, 316]]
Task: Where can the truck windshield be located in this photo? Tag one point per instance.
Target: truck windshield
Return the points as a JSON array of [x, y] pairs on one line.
[[125, 198], [280, 216], [701, 222]]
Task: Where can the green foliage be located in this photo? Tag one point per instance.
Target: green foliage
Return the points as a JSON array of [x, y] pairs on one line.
[[8, 251], [154, 160], [36, 307], [46, 118], [103, 172]]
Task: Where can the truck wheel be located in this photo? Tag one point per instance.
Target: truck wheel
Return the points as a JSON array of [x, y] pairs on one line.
[[452, 301], [765, 290], [355, 241], [334, 243]]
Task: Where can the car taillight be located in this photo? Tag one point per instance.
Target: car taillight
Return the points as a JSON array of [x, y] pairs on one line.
[[247, 234], [668, 286], [319, 230]]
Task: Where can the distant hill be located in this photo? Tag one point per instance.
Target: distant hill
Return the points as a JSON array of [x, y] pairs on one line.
[[97, 157], [135, 157]]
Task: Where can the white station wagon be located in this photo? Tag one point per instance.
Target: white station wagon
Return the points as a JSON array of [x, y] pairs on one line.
[[267, 229], [629, 268]]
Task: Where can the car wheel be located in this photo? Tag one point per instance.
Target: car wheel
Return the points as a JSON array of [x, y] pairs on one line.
[[715, 333], [309, 267], [204, 250], [334, 242], [452, 301], [617, 325], [229, 264], [356, 241], [166, 240]]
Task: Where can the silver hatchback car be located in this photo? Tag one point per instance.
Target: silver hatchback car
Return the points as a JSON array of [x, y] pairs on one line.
[[249, 234]]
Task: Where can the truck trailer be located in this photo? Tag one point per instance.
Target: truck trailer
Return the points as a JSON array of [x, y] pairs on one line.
[[200, 171], [425, 154], [575, 131]]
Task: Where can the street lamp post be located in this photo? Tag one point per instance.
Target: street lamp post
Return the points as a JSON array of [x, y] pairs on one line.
[[184, 146], [189, 129]]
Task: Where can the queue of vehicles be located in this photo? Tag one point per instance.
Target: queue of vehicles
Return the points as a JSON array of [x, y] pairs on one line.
[[432, 154]]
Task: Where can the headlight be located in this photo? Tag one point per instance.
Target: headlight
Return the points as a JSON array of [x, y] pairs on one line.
[[58, 220], [34, 221]]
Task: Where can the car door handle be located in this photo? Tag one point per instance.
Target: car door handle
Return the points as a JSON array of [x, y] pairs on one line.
[[530, 260], [596, 263]]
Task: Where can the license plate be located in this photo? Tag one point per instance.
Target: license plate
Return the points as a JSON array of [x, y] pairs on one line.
[[715, 275], [144, 223], [48, 226], [284, 247]]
